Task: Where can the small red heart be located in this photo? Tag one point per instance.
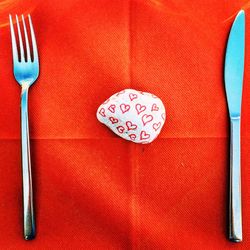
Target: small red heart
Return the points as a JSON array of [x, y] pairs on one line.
[[102, 112], [111, 108], [144, 135], [140, 108], [163, 116], [113, 120], [120, 129], [156, 126], [124, 108], [146, 119], [132, 96], [155, 107], [132, 137], [131, 126]]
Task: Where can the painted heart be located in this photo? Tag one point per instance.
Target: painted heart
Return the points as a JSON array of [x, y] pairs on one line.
[[131, 126], [144, 135], [124, 108], [111, 108], [154, 107], [132, 96], [102, 112], [146, 119], [156, 126], [120, 129], [133, 115], [140, 108], [132, 137], [113, 120]]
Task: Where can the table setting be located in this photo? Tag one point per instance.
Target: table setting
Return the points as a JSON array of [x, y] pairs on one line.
[[124, 124]]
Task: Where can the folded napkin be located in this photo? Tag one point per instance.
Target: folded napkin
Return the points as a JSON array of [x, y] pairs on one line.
[[94, 190]]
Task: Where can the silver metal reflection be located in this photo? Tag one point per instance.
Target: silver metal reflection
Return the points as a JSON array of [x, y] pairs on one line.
[[26, 71], [234, 70]]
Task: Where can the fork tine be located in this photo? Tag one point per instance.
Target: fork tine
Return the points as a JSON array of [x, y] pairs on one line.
[[13, 41], [33, 39], [26, 40], [20, 40]]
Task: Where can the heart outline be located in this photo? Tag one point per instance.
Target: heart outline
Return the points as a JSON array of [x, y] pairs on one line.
[[144, 135], [102, 112], [131, 126], [154, 107], [132, 137], [156, 126], [133, 96], [120, 129], [124, 107], [113, 120], [112, 108], [146, 119], [140, 108]]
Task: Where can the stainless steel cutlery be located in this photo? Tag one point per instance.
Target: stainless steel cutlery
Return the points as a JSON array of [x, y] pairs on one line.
[[26, 71], [234, 70]]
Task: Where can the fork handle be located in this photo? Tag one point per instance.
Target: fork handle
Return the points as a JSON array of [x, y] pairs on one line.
[[28, 208], [235, 217]]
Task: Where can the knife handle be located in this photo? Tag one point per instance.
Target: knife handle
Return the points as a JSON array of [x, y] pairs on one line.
[[235, 217]]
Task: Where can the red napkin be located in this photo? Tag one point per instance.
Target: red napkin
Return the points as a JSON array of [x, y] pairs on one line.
[[94, 190]]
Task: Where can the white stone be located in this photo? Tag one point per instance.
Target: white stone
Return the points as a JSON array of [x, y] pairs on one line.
[[133, 115]]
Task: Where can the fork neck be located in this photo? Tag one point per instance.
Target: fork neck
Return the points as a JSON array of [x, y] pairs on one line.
[[25, 87], [24, 98]]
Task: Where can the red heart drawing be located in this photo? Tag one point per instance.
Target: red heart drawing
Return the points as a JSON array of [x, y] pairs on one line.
[[132, 96], [144, 135], [146, 119], [132, 137], [102, 112], [131, 126], [113, 120], [163, 116], [156, 126], [124, 108], [120, 129], [140, 108], [155, 107], [111, 108]]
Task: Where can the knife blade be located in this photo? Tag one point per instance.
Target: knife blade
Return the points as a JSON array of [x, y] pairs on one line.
[[233, 75]]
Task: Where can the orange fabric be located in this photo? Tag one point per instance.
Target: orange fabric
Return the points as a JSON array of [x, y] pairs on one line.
[[94, 190]]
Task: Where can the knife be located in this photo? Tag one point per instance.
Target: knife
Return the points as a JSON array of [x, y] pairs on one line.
[[233, 75]]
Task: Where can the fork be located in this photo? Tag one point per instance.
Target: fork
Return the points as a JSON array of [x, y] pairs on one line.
[[26, 71]]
